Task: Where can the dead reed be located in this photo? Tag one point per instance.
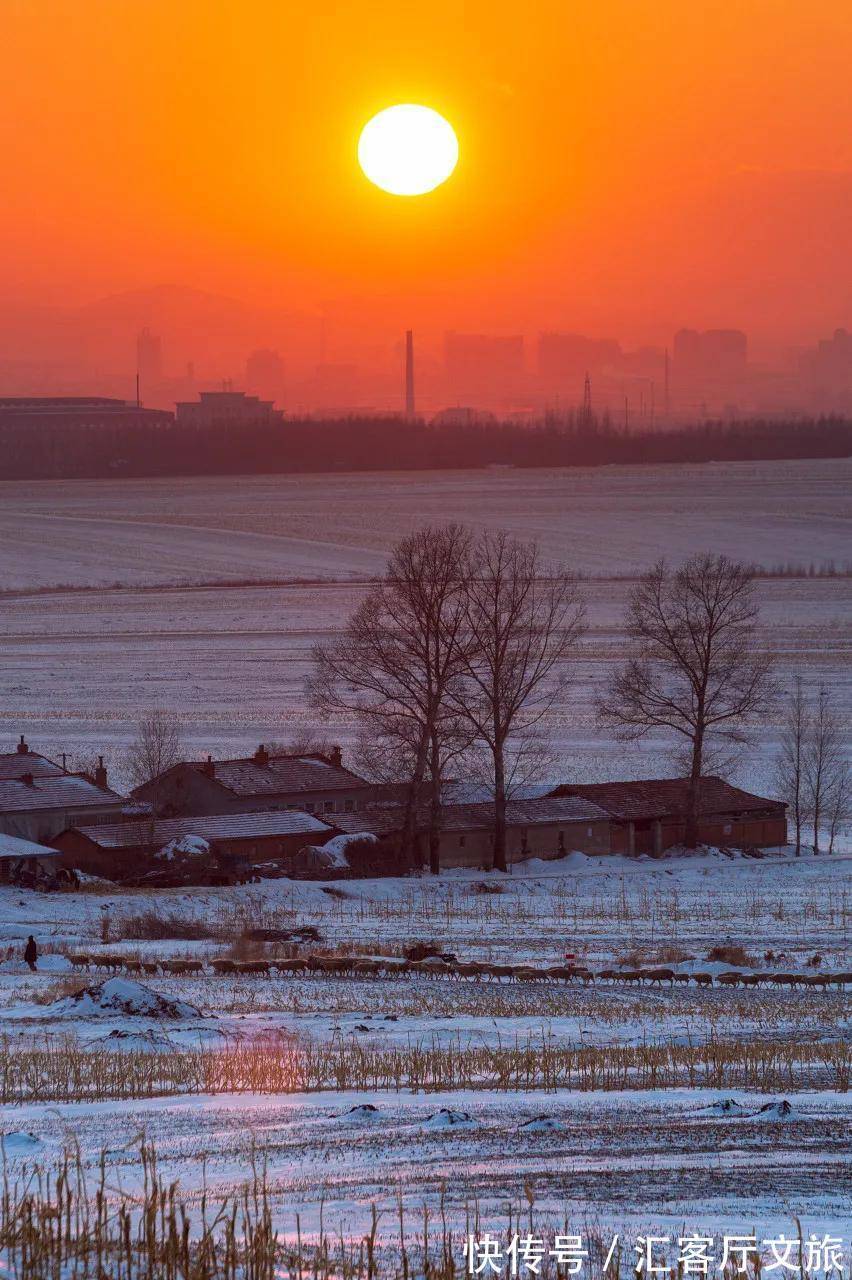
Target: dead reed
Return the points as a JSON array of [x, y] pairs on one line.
[[59, 1070]]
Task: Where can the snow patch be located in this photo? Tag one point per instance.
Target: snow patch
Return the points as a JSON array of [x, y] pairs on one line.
[[122, 995], [446, 1118], [542, 1124]]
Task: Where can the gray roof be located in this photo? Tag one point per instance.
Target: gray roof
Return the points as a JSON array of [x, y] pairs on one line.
[[17, 763], [14, 847], [651, 798], [283, 775], [550, 811], [60, 791], [220, 826]]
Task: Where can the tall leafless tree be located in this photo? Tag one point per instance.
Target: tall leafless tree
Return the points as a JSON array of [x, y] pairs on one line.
[[825, 760], [696, 671], [398, 657], [521, 625], [157, 747], [792, 758]]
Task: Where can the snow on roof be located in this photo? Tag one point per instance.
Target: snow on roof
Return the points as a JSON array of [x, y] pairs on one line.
[[17, 763], [473, 817], [60, 791], [14, 847], [280, 776], [665, 797], [220, 826]]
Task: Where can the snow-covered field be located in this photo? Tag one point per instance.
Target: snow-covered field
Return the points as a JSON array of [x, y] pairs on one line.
[[108, 608], [635, 1161], [81, 666]]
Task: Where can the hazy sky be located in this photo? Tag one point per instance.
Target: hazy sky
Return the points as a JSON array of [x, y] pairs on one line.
[[625, 167]]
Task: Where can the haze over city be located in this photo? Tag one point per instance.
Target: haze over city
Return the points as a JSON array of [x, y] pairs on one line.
[[621, 176]]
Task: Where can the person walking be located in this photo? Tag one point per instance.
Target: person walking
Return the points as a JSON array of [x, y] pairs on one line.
[[31, 953]]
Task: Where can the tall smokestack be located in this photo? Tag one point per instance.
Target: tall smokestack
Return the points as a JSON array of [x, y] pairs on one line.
[[409, 373]]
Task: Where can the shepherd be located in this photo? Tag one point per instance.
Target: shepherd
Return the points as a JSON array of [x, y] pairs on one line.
[[31, 953]]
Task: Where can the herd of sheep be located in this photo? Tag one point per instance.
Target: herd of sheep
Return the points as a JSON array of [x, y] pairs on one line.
[[352, 966]]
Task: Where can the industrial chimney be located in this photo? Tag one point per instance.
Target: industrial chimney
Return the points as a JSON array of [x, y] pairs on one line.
[[409, 373]]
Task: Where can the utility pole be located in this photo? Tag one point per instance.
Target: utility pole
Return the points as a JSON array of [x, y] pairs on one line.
[[666, 390], [138, 401]]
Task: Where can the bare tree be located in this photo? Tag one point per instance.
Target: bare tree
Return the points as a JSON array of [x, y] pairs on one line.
[[521, 624], [792, 756], [695, 671], [824, 762], [398, 658], [157, 747], [839, 806]]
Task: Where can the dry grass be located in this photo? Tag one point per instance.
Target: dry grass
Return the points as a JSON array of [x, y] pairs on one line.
[[58, 1070]]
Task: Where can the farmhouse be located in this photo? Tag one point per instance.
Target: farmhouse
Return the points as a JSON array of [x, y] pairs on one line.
[[39, 798], [650, 816], [116, 850], [312, 783], [544, 828]]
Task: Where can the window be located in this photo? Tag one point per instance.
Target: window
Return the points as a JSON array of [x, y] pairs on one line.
[[561, 839], [350, 805], [589, 832], [727, 829], [462, 840], [329, 806], [310, 807]]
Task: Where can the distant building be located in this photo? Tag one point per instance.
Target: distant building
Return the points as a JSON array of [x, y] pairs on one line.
[[264, 781], [827, 372], [565, 358], [121, 849], [547, 828], [227, 409], [483, 368], [149, 358], [714, 354], [36, 412], [650, 816], [265, 375], [39, 798]]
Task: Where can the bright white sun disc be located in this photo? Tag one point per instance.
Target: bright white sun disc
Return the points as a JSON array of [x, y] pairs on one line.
[[408, 150]]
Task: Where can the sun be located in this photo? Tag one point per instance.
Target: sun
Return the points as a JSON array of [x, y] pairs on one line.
[[408, 149]]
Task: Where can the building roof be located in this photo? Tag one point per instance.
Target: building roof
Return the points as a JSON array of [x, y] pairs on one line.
[[14, 847], [666, 798], [474, 817], [16, 763], [282, 775], [54, 791], [224, 826]]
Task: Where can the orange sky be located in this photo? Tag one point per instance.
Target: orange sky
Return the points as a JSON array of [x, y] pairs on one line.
[[625, 167]]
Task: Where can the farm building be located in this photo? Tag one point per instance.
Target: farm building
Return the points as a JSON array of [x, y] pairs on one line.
[[311, 783], [650, 816], [22, 860], [119, 849], [39, 798], [535, 828]]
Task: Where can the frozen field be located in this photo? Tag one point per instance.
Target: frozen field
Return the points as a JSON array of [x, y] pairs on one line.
[[602, 520], [81, 666], [602, 1158]]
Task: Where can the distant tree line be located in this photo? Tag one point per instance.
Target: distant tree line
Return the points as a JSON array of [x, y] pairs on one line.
[[369, 444]]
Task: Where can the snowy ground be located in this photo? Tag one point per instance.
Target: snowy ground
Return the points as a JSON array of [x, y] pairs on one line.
[[231, 661], [652, 1162], [633, 1162]]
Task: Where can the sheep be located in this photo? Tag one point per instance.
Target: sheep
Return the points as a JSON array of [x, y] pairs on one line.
[[681, 977], [223, 966], [252, 966], [289, 966], [182, 967], [80, 962], [730, 979], [658, 976], [703, 979]]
